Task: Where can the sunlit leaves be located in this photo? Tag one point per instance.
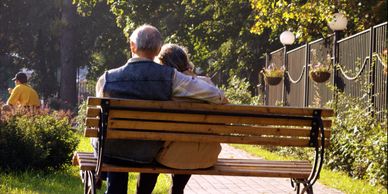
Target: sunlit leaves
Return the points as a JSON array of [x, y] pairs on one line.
[[309, 19]]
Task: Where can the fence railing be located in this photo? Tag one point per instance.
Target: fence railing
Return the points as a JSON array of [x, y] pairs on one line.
[[359, 63]]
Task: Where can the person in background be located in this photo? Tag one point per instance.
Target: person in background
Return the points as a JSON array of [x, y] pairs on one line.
[[23, 95]]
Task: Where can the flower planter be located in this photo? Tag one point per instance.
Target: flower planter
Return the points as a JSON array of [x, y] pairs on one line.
[[273, 80], [319, 76]]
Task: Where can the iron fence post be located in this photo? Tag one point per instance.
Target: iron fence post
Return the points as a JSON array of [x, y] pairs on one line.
[[265, 86], [372, 70], [335, 63], [306, 80]]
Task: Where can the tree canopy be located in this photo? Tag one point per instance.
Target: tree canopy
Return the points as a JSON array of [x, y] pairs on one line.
[[224, 37], [308, 19], [30, 36]]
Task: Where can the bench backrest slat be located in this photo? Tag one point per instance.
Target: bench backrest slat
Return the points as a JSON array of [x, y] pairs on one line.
[[208, 128], [295, 142], [189, 106], [193, 122]]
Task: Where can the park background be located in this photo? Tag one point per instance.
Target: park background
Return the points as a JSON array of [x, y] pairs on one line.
[[56, 40]]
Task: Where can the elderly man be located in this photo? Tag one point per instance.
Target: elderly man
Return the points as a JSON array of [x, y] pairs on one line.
[[142, 78]]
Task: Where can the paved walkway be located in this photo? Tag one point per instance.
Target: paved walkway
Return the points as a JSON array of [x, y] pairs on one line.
[[200, 184]]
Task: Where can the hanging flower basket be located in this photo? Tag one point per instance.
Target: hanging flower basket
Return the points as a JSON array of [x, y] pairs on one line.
[[273, 75], [319, 71], [273, 80], [319, 76]]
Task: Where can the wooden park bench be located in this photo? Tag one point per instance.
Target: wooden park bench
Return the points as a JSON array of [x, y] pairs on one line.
[[109, 118]]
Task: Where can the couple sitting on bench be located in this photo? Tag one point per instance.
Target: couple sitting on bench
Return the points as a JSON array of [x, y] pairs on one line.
[[142, 78]]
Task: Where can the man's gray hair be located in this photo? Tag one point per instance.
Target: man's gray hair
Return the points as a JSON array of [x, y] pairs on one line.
[[147, 38]]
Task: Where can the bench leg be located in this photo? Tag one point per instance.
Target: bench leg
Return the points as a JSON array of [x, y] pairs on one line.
[[89, 182], [307, 187]]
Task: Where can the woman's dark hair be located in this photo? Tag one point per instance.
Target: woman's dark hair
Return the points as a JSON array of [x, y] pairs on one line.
[[175, 56]]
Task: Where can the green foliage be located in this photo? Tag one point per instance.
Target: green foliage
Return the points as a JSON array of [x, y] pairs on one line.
[[81, 116], [215, 32], [30, 37], [308, 19], [359, 140], [39, 140], [237, 92]]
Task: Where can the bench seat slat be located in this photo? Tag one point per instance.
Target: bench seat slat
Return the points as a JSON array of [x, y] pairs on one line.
[[235, 167], [210, 128], [171, 105]]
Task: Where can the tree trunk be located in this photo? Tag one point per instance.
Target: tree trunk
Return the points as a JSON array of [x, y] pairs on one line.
[[68, 92]]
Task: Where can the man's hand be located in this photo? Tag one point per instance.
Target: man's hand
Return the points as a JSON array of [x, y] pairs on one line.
[[10, 90]]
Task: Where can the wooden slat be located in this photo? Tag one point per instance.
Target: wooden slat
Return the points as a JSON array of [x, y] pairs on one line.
[[296, 172], [279, 141], [93, 112], [91, 132], [168, 105], [209, 128], [203, 118], [233, 167], [92, 122]]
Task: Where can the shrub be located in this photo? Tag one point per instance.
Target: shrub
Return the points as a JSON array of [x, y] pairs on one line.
[[81, 116], [39, 140], [359, 141], [238, 92]]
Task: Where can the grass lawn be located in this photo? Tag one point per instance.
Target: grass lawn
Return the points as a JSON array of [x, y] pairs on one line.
[[66, 181], [338, 180]]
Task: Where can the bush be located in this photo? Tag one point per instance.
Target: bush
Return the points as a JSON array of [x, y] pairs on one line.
[[81, 117], [238, 92], [359, 141], [42, 140]]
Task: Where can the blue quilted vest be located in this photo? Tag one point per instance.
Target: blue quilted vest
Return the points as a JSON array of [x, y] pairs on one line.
[[137, 80]]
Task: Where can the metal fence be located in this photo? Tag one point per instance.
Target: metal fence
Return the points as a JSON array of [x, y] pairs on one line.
[[360, 63]]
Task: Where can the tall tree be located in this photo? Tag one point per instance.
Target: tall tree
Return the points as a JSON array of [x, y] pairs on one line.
[[216, 32], [30, 36], [67, 90]]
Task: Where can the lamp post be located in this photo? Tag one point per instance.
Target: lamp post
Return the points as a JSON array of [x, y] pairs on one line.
[[338, 23], [286, 38]]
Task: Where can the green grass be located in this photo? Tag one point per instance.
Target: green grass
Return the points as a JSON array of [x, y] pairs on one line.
[[338, 180], [66, 181]]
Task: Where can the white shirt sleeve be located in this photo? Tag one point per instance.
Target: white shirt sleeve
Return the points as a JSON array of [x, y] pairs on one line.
[[195, 88], [100, 86]]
